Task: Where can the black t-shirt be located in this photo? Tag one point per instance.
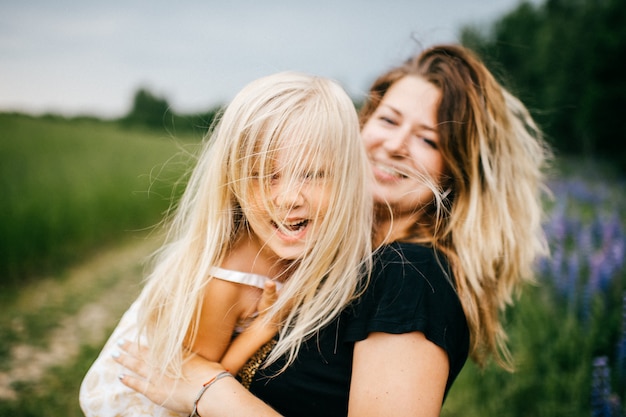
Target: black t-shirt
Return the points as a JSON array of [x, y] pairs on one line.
[[410, 290]]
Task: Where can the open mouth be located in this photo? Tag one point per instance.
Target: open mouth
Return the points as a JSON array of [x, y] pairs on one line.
[[291, 228]]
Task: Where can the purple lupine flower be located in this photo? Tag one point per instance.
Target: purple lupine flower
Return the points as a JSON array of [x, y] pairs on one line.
[[601, 401], [616, 251], [556, 266], [615, 241], [573, 277], [585, 231], [587, 252], [621, 347], [584, 239]]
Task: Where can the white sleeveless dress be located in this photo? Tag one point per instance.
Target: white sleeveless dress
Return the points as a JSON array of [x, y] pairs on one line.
[[102, 394]]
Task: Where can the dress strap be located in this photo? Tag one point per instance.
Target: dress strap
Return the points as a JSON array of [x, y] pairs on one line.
[[247, 278]]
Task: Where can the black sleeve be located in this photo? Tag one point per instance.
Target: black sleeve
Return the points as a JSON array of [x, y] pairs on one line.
[[411, 289]]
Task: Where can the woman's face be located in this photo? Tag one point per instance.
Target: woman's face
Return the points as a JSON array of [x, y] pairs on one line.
[[402, 142]]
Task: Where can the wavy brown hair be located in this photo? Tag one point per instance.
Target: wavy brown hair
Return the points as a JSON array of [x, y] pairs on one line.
[[489, 225]]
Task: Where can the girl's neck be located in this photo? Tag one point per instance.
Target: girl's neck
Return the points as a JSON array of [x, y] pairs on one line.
[[247, 255]]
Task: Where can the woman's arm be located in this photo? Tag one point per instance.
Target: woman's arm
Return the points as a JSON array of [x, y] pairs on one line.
[[225, 397], [397, 375], [393, 375]]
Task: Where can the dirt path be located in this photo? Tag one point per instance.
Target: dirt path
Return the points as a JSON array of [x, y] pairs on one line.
[[115, 273]]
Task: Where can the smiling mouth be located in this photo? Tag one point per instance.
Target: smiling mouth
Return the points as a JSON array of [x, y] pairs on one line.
[[392, 172], [291, 228]]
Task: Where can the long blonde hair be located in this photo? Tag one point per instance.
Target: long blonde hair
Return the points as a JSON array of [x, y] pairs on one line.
[[311, 119], [489, 223]]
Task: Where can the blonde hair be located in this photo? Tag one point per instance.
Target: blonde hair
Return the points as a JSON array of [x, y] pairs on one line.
[[310, 119], [490, 224]]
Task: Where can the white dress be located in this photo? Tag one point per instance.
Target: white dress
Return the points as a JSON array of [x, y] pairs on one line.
[[102, 394]]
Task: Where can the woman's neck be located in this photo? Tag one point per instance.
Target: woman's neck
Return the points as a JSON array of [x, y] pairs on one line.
[[388, 229]]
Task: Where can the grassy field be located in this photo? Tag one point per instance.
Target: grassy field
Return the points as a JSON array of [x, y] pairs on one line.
[[71, 186], [86, 190], [74, 191]]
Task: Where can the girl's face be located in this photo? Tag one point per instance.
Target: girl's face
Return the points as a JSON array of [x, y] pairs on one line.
[[402, 142], [289, 224]]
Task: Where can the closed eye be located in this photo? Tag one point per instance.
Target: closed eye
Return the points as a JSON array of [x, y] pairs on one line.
[[388, 120], [433, 144]]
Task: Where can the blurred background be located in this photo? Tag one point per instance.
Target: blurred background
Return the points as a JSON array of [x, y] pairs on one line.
[[101, 104]]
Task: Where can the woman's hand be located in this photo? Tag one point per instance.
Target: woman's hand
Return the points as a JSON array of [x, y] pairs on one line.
[[174, 394], [227, 397]]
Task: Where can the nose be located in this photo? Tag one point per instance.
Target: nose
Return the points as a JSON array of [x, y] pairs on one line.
[[287, 194], [396, 143]]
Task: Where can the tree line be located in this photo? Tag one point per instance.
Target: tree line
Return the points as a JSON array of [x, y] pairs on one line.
[[566, 60], [154, 112]]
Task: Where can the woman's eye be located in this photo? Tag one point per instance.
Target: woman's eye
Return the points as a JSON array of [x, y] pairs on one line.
[[430, 143], [388, 120]]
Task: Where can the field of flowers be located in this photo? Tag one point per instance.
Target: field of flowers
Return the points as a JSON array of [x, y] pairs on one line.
[[587, 266], [568, 332]]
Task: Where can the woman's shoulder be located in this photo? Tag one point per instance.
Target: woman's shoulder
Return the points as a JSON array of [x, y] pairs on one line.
[[412, 289], [406, 274], [410, 280], [409, 259]]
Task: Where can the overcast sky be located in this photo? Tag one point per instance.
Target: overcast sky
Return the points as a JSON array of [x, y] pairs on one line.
[[89, 57]]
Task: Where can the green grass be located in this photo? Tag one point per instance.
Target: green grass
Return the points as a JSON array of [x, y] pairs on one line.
[[56, 394], [70, 186], [30, 314], [57, 315], [553, 367]]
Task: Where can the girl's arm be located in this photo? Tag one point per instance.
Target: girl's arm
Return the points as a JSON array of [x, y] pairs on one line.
[[221, 308], [397, 375], [255, 336]]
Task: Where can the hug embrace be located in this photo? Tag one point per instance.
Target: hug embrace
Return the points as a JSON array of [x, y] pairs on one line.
[[325, 264]]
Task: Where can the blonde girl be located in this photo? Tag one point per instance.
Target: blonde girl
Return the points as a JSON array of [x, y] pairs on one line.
[[266, 201]]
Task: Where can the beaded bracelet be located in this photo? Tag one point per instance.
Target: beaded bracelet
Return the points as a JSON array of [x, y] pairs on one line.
[[205, 387]]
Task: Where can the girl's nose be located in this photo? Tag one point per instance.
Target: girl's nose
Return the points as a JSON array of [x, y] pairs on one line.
[[287, 194]]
